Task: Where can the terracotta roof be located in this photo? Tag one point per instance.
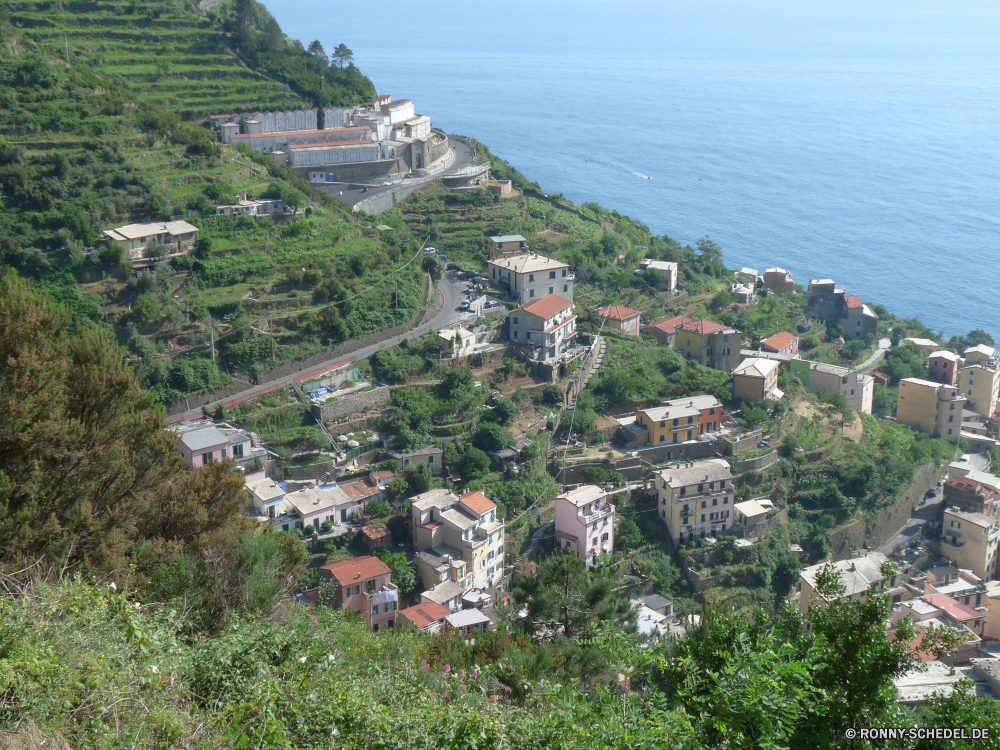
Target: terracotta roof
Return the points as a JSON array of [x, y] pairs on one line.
[[546, 307], [853, 301], [667, 325], [970, 483], [617, 312], [779, 341], [358, 569], [956, 609], [425, 613], [477, 502], [374, 531], [376, 475], [703, 326], [360, 489]]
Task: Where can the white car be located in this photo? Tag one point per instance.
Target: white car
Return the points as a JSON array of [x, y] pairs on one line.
[[965, 458]]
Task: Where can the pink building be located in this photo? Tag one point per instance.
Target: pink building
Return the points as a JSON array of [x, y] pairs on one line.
[[364, 585], [585, 521], [942, 367], [203, 446], [623, 319]]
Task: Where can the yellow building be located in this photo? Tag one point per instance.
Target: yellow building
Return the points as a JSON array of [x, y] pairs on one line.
[[934, 408], [681, 419], [709, 344], [508, 243], [695, 500], [969, 540], [979, 383]]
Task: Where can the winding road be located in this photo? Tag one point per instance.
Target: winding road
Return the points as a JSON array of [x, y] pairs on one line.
[[451, 290]]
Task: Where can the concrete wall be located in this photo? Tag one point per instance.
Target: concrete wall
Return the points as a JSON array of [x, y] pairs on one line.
[[686, 451], [312, 471], [353, 172], [350, 404], [384, 201], [631, 469], [880, 527], [200, 399]]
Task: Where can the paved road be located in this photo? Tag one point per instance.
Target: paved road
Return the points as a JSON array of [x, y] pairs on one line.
[[879, 354], [352, 195], [450, 287], [932, 510]]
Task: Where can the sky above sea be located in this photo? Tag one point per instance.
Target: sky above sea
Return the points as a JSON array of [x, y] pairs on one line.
[[851, 140]]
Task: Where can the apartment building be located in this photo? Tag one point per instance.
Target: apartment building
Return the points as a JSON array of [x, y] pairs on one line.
[[979, 382], [364, 584], [623, 319], [585, 522], [756, 379], [695, 500], [942, 367], [860, 575], [527, 276], [831, 379], [709, 344], [778, 280], [675, 421], [457, 539], [930, 407], [969, 494], [969, 540], [543, 329]]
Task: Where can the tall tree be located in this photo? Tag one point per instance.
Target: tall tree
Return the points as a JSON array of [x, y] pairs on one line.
[[273, 35], [710, 252], [316, 49], [246, 20], [343, 55], [564, 594]]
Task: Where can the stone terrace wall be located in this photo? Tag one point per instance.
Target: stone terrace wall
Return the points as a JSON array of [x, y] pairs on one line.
[[756, 464], [880, 527], [351, 404]]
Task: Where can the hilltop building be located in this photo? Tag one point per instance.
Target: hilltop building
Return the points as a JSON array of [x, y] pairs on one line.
[[832, 379], [778, 280], [930, 407], [674, 421], [827, 301], [709, 344], [543, 329], [665, 330], [756, 379], [526, 276], [585, 522], [178, 236], [623, 319]]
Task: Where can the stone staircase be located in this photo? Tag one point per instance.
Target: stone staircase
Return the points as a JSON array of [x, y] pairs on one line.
[[602, 346]]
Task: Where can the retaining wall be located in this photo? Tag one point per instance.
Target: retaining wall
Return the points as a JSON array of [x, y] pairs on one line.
[[352, 404], [756, 464], [878, 528], [630, 468], [682, 452], [312, 471], [200, 399]]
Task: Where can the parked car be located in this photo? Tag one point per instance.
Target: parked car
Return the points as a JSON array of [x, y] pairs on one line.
[[451, 266], [464, 305], [493, 303], [442, 257], [965, 458]]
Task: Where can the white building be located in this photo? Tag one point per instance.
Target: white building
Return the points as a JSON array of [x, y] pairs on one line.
[[528, 276], [544, 328], [337, 152], [179, 235], [458, 341]]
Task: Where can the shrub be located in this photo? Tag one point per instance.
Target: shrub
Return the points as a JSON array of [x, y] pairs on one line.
[[552, 394], [327, 527], [309, 530], [377, 509]]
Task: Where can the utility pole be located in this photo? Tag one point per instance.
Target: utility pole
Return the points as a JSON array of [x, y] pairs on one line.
[[211, 328], [66, 38]]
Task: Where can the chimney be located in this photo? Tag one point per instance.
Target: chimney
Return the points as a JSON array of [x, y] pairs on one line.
[[951, 671]]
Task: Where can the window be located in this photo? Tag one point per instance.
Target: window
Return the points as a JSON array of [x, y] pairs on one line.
[[531, 277], [564, 273], [238, 450], [852, 391], [683, 489], [711, 485], [704, 504], [531, 293], [844, 381], [977, 623], [676, 422], [686, 506], [552, 274], [552, 290], [515, 334], [663, 438], [951, 418], [701, 487], [374, 609], [430, 459], [725, 501], [712, 410], [715, 501], [206, 458], [515, 320], [663, 423], [565, 287], [953, 407], [703, 518]]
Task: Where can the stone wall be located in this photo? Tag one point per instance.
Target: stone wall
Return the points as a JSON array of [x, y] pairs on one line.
[[630, 468], [352, 404], [384, 201], [756, 464], [745, 443], [200, 399], [877, 528], [312, 471], [682, 452]]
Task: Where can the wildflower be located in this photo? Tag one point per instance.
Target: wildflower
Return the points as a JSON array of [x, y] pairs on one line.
[[112, 586], [137, 605], [447, 668], [315, 620], [153, 668], [493, 698], [423, 665], [302, 660], [435, 695], [334, 732], [331, 657], [462, 686], [461, 673], [475, 672]]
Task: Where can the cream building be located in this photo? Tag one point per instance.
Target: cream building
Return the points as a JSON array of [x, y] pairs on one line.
[[178, 235], [860, 576], [969, 540], [695, 500], [528, 276], [979, 382], [445, 524], [934, 408]]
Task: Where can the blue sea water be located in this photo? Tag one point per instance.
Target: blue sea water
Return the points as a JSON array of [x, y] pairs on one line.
[[856, 140]]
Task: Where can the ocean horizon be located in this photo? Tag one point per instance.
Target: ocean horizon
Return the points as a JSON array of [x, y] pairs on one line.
[[855, 142]]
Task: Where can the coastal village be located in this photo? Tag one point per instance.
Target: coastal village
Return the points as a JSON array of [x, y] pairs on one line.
[[423, 413]]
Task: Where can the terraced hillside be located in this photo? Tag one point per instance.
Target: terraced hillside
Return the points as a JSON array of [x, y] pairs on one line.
[[160, 52]]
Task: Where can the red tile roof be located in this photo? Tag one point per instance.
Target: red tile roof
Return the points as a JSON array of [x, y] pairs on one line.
[[376, 475], [425, 613], [374, 531], [853, 301], [954, 608], [979, 487], [360, 489], [703, 326], [617, 312], [779, 341], [477, 502], [546, 307], [667, 325], [349, 572]]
